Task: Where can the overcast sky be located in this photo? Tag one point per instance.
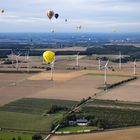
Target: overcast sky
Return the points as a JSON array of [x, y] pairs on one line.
[[93, 15]]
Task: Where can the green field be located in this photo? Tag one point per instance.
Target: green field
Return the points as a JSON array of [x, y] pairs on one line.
[[31, 122], [35, 106], [31, 114], [112, 114], [73, 129], [114, 104], [10, 135]]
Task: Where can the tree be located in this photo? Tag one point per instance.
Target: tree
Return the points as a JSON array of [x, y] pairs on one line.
[[19, 138], [37, 137]]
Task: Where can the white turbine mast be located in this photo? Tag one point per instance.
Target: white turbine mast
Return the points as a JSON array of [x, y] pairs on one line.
[[99, 64], [105, 72], [28, 61], [120, 60], [52, 69], [77, 59], [12, 57], [135, 65], [17, 64]]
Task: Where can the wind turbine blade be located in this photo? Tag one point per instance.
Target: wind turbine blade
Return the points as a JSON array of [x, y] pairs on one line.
[[106, 63]]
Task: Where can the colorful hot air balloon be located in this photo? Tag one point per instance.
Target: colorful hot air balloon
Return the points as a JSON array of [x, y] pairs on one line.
[[79, 27], [2, 10], [50, 14], [49, 56], [56, 15]]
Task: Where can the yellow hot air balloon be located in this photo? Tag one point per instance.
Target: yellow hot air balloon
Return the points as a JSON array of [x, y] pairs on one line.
[[50, 14], [49, 56]]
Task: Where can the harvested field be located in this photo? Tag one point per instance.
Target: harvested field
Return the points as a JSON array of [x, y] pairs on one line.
[[127, 134], [70, 85], [77, 88], [127, 92], [18, 90]]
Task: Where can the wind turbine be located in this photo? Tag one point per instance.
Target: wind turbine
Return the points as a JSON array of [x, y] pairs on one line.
[[105, 72], [12, 57], [135, 67], [28, 61], [17, 56], [120, 60], [99, 64], [77, 59], [52, 69]]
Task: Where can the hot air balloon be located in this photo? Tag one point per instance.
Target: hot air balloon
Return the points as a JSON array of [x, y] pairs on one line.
[[2, 10], [49, 56], [52, 30], [79, 27], [50, 14], [56, 15]]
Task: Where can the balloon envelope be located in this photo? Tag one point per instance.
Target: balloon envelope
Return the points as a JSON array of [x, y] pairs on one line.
[[49, 56], [52, 30], [50, 14], [56, 16], [2, 11]]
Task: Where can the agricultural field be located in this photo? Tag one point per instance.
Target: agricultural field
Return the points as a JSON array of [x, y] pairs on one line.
[[120, 114], [35, 106], [31, 114], [127, 134], [127, 92], [26, 98], [113, 104], [105, 114], [10, 135], [80, 87], [29, 122], [75, 129]]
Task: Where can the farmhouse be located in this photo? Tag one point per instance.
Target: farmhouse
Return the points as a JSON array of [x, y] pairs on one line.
[[80, 122]]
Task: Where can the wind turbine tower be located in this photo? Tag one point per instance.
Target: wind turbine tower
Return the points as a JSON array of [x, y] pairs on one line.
[[105, 72], [120, 60], [135, 65], [77, 59]]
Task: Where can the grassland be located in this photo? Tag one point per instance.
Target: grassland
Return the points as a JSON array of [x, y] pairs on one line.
[[35, 106], [21, 121], [74, 129], [31, 114], [10, 135]]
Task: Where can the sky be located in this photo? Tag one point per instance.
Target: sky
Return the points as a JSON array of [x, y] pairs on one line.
[[92, 15]]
